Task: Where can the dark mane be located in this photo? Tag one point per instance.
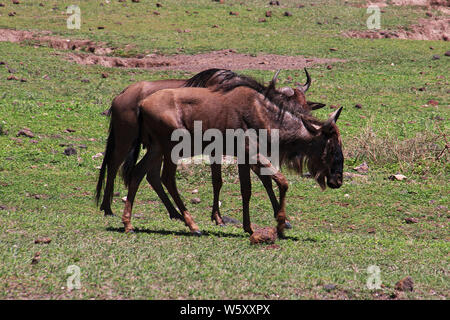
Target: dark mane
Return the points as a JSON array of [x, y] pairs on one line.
[[270, 92], [218, 76]]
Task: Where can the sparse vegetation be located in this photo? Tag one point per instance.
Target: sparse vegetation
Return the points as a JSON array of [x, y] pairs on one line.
[[399, 226]]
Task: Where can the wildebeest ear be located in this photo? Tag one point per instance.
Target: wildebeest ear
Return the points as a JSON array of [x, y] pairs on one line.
[[327, 126], [310, 127], [287, 91], [315, 105]]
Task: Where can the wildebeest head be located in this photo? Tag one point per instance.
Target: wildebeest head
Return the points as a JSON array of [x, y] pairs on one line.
[[296, 96], [326, 160]]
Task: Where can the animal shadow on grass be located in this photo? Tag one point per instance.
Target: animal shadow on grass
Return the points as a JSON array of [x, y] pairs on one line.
[[187, 233]]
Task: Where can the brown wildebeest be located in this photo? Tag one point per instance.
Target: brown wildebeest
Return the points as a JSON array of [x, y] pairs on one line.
[[302, 138], [124, 127]]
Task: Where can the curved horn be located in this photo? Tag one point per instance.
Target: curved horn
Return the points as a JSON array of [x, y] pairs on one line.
[[274, 79], [305, 87]]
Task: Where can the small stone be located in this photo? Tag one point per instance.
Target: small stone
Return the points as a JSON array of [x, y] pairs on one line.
[[406, 284], [233, 13], [333, 49], [362, 168], [70, 151], [371, 230], [85, 80], [358, 106], [411, 220], [268, 14], [329, 287], [156, 13], [398, 177], [287, 14], [447, 54], [159, 5], [104, 75], [262, 20], [433, 102], [195, 200], [274, 3], [436, 57], [36, 258], [98, 155], [12, 77], [42, 241], [194, 191], [124, 199], [25, 132], [329, 67], [428, 14]]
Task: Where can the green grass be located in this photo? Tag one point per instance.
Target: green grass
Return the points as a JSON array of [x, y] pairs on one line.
[[330, 241]]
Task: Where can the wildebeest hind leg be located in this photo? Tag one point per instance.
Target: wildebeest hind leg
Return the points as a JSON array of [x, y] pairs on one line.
[[168, 178], [118, 156], [153, 177], [137, 175]]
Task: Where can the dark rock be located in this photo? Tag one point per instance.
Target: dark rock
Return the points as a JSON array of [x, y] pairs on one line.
[[70, 151], [436, 57]]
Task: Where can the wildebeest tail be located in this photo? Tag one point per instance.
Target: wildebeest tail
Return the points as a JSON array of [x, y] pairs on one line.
[[109, 150], [133, 155]]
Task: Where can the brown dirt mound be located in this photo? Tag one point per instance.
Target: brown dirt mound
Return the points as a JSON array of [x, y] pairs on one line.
[[227, 59], [265, 235], [427, 29], [47, 39]]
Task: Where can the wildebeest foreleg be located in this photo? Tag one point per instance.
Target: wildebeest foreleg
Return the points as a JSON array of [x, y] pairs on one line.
[[267, 183], [168, 178], [282, 184], [246, 192], [216, 174]]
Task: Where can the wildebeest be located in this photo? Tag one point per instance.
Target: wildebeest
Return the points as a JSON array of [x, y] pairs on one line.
[[124, 126], [302, 138]]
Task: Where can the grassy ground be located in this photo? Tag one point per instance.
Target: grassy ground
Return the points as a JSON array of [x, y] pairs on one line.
[[337, 234]]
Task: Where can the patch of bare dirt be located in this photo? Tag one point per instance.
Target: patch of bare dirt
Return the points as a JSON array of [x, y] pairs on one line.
[[227, 59], [93, 53], [441, 5], [426, 29], [45, 38]]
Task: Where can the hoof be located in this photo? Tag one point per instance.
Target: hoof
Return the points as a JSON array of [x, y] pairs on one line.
[[197, 233], [131, 231], [109, 214], [288, 225]]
